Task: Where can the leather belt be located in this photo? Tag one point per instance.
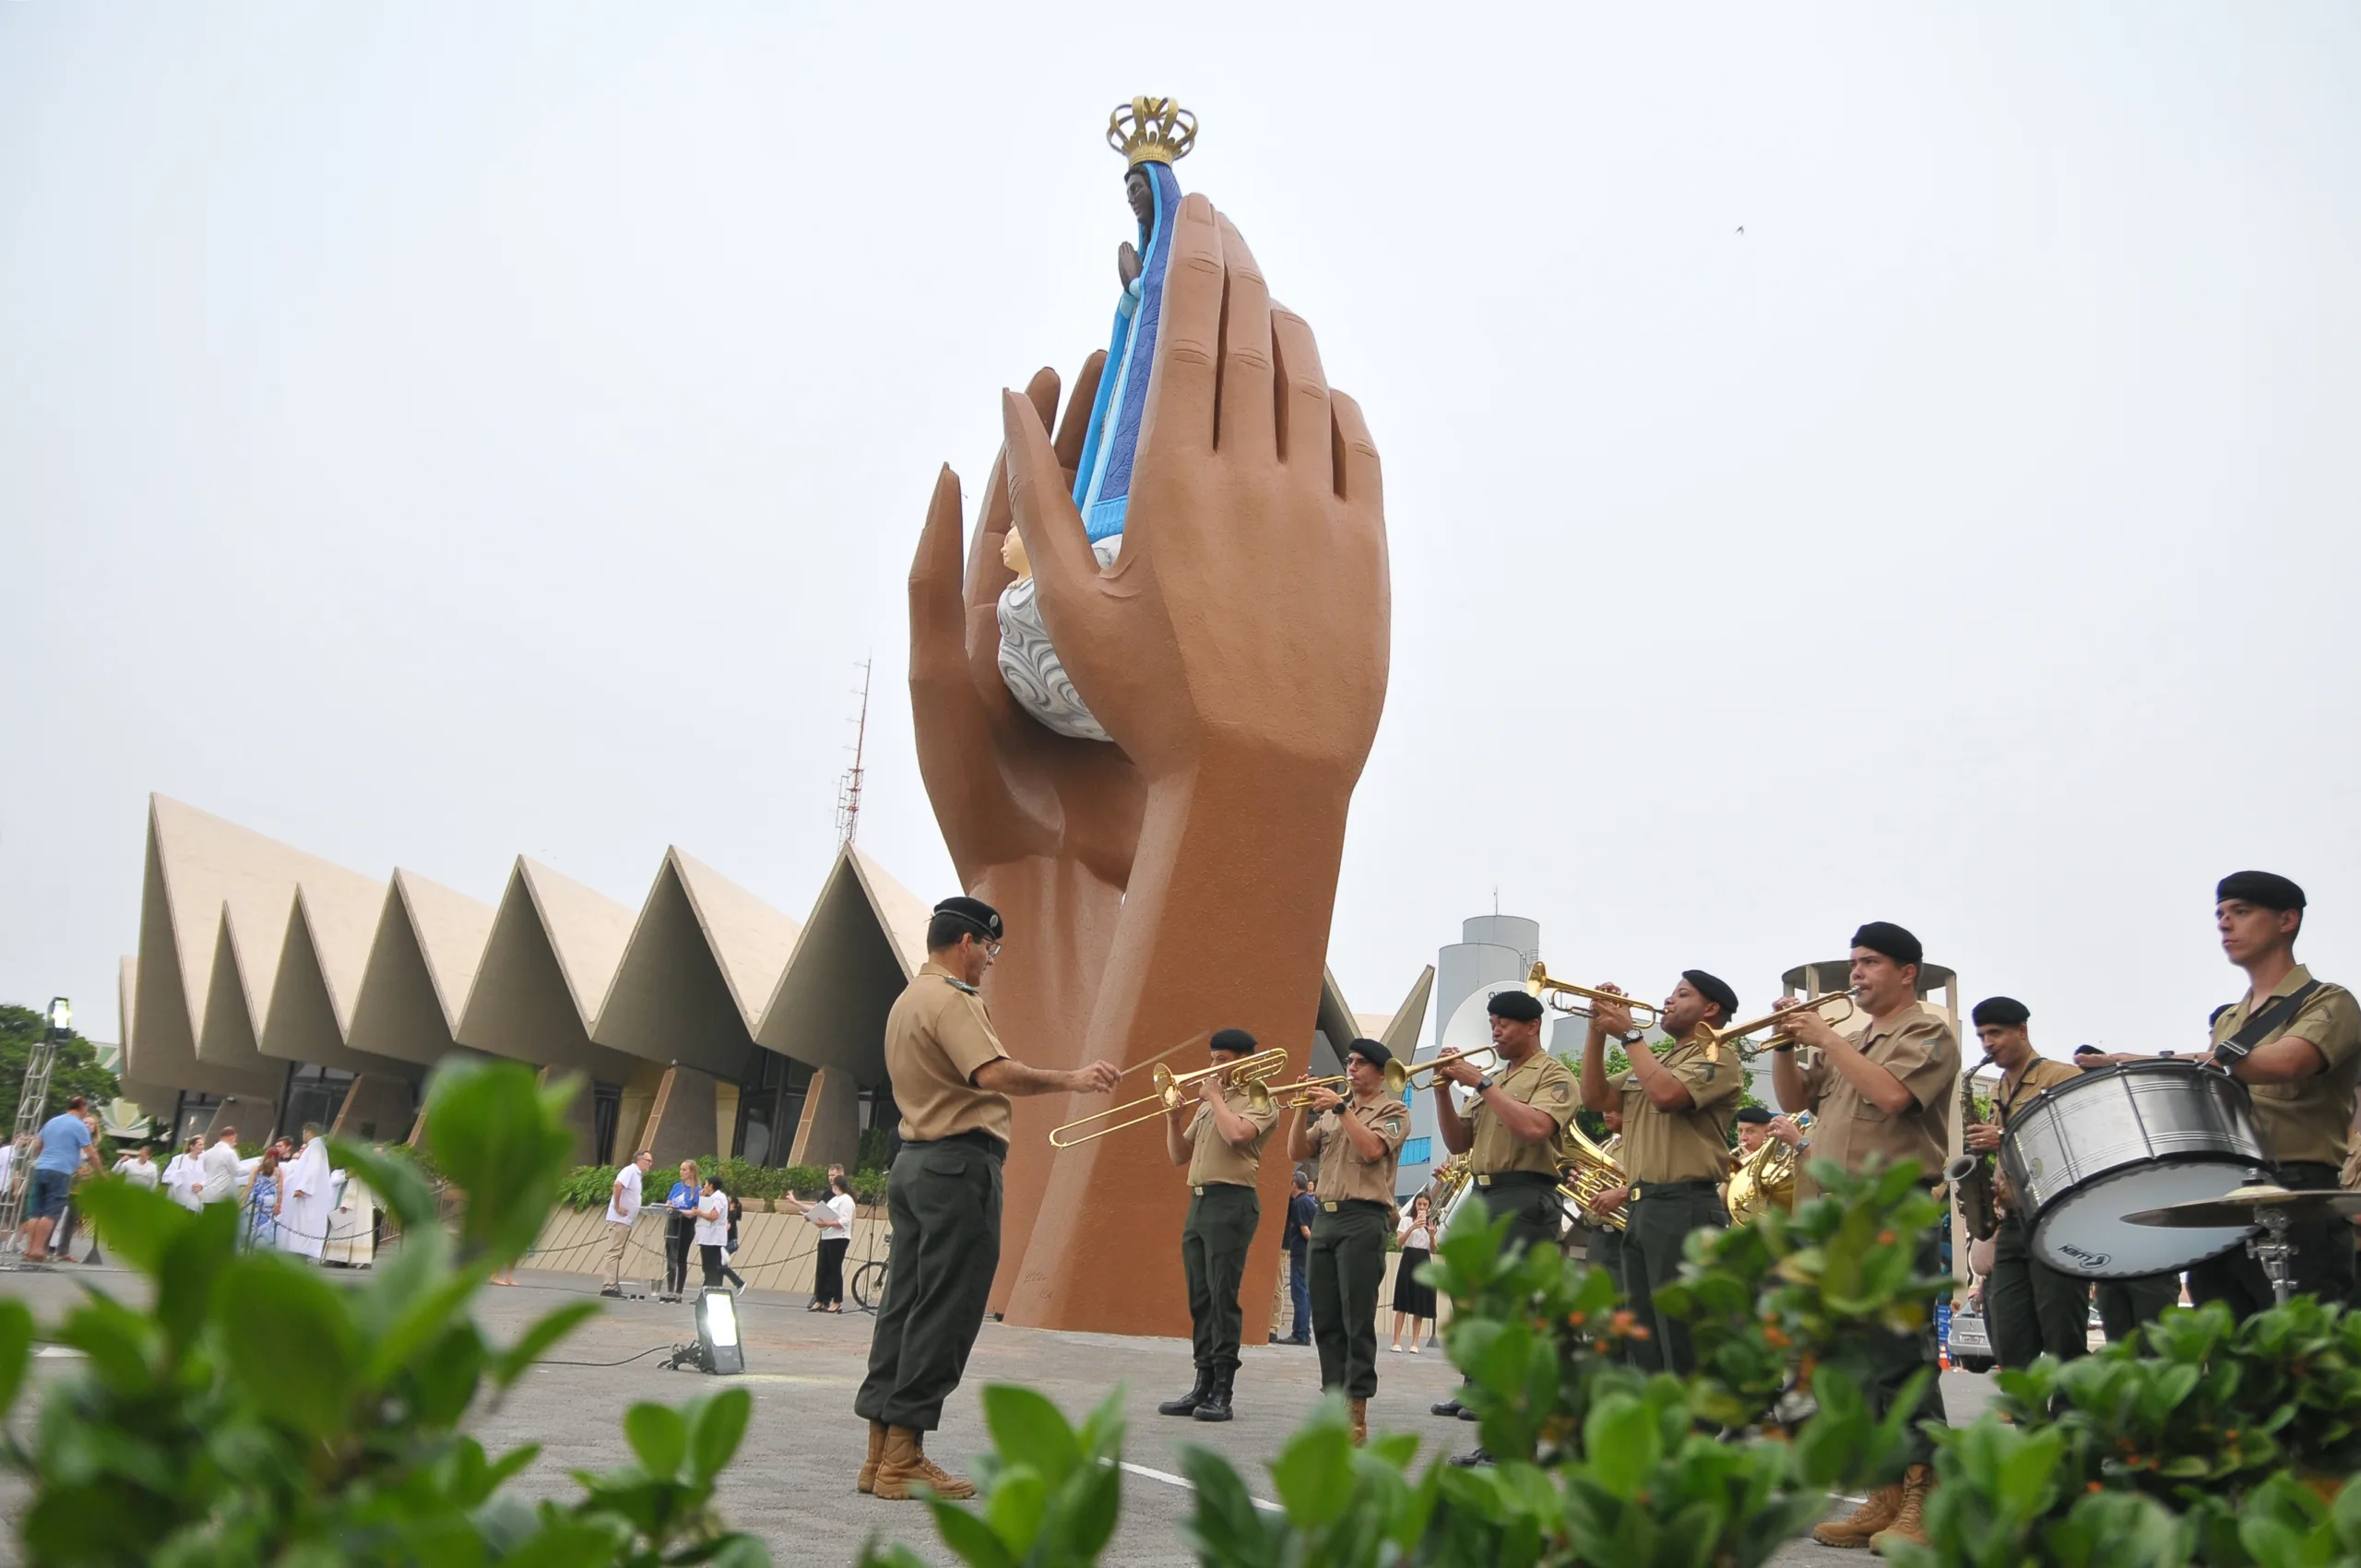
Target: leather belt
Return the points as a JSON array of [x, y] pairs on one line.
[[1514, 1178]]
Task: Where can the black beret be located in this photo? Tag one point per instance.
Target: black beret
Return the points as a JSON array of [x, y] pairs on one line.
[[1237, 1041], [1884, 936], [1754, 1115], [1521, 1007], [974, 912], [1369, 1050], [2005, 1011], [2088, 1050], [1715, 990], [2267, 889]]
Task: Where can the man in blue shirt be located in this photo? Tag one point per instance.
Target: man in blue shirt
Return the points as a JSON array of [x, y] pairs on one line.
[[1302, 1209], [61, 1151]]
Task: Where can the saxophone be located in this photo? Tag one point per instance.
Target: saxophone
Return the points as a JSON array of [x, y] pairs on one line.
[[1589, 1170], [1971, 1174]]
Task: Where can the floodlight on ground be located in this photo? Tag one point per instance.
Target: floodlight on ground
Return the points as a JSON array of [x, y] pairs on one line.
[[717, 1348], [61, 1017]]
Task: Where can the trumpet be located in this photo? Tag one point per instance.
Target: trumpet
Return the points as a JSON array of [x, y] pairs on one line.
[[1735, 1034], [1249, 1070], [1539, 980], [1263, 1097], [1398, 1077]]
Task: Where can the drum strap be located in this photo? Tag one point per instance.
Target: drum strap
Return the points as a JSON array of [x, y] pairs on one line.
[[2276, 1016]]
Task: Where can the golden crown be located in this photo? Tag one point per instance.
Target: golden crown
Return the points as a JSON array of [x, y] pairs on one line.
[[1151, 130]]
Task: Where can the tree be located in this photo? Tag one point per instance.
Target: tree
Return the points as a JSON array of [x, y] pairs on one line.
[[77, 1069]]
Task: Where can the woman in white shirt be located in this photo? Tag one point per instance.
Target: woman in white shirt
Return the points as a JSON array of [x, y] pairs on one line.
[[1413, 1300], [713, 1230], [185, 1178], [833, 1214]]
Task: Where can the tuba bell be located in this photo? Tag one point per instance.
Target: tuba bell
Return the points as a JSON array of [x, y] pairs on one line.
[[1766, 1178], [1586, 1169]]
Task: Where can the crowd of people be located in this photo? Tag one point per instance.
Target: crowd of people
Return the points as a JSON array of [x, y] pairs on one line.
[[288, 1197], [701, 1218]]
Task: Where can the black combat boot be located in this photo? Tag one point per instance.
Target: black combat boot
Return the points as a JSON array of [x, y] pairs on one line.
[[1187, 1404], [1215, 1404]]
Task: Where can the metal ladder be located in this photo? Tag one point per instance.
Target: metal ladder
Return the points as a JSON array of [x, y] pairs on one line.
[[39, 1062]]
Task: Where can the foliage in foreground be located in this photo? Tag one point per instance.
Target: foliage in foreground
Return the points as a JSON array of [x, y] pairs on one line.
[[260, 1414], [2203, 1443]]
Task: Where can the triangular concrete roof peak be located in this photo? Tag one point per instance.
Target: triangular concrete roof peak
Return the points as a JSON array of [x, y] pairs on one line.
[[305, 1022], [700, 965], [865, 938], [422, 960], [550, 958], [750, 940]]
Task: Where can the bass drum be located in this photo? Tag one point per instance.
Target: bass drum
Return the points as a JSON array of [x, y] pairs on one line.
[[2121, 1139]]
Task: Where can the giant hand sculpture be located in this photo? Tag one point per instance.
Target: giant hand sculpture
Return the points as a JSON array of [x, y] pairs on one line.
[[1040, 826], [1236, 652]]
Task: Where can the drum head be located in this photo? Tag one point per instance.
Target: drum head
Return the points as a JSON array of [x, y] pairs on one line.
[[2084, 1233]]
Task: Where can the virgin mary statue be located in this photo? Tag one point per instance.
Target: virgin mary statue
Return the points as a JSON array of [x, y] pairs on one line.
[[1151, 134]]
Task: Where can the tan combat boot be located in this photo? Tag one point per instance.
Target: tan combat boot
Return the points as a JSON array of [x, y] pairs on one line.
[[1360, 1422], [1871, 1516], [906, 1466], [867, 1481], [1910, 1520]]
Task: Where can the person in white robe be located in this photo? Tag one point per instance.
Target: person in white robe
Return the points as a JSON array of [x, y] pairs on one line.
[[304, 1214], [352, 1226], [185, 1176]]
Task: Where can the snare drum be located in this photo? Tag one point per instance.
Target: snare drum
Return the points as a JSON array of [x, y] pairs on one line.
[[2121, 1139]]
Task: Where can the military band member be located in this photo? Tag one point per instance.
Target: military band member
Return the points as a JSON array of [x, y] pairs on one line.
[[1358, 1142], [1886, 1096], [1219, 1136], [2032, 1308], [952, 1079], [1510, 1134], [1677, 1108], [2302, 1040], [1752, 1125]]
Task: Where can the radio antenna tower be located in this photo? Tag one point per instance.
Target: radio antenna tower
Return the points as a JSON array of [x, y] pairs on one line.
[[848, 787]]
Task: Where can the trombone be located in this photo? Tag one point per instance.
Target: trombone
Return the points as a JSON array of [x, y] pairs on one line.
[[1250, 1070], [1539, 980], [1787, 1010]]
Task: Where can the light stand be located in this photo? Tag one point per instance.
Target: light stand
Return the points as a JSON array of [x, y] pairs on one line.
[[39, 1064], [717, 1349]]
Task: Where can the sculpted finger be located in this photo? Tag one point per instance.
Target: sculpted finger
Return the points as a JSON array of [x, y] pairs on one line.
[[1358, 479], [987, 573], [1042, 506], [938, 618], [1075, 427], [1305, 441], [1184, 385], [1244, 424]]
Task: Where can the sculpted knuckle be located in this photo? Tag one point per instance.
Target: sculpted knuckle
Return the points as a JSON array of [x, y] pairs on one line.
[[1191, 352]]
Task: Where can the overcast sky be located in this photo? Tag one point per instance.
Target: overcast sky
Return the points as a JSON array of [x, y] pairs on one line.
[[435, 432]]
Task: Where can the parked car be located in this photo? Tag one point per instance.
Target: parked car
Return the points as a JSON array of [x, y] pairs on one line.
[[1971, 1344]]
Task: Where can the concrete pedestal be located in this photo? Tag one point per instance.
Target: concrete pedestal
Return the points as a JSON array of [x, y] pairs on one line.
[[829, 1132], [680, 1124], [378, 1108]]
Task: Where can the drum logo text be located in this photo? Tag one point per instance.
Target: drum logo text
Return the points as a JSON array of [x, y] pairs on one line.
[[2088, 1260]]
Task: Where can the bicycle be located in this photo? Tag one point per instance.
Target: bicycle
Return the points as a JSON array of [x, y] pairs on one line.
[[869, 1282]]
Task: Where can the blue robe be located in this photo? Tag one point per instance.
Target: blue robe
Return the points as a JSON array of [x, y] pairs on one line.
[[1102, 481]]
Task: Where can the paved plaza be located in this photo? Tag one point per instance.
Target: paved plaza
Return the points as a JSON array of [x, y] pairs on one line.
[[793, 1481]]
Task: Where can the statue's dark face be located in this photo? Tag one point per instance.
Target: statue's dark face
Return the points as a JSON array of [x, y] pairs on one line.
[[1143, 197]]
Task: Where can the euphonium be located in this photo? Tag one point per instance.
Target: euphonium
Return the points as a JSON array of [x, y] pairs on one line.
[[1971, 1174], [1589, 1170], [1765, 1179]]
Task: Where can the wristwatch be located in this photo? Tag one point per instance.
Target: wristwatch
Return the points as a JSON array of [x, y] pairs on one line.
[[1483, 1086], [1632, 1037]]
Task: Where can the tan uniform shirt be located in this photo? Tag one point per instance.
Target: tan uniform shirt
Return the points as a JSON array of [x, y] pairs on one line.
[[2310, 1119], [2015, 1094], [1682, 1145], [1540, 1081], [1917, 1046], [1343, 1172], [936, 1037], [1219, 1163]]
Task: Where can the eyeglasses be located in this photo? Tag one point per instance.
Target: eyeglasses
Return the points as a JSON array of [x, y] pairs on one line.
[[992, 949]]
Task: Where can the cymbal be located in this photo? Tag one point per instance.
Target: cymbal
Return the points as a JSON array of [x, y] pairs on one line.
[[2241, 1206]]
